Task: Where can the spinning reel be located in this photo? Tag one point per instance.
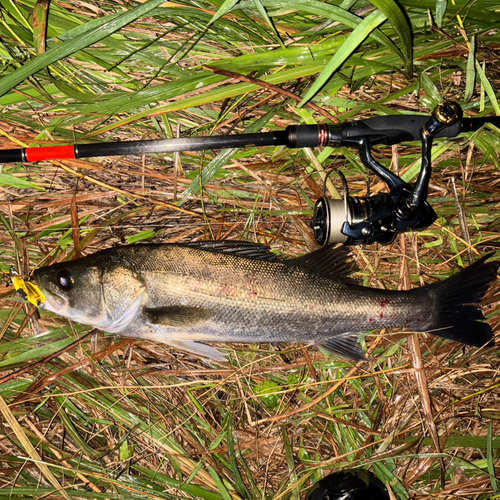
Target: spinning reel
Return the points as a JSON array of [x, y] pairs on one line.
[[351, 221], [379, 218]]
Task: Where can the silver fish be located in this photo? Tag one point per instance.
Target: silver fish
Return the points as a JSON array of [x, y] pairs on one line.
[[185, 295]]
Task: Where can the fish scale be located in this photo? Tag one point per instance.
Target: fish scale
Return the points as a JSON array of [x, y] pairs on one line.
[[184, 295], [265, 301]]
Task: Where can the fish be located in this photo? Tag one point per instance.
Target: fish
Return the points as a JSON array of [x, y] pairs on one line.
[[185, 295]]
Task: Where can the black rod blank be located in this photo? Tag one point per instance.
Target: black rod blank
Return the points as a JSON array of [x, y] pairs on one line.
[[392, 129]]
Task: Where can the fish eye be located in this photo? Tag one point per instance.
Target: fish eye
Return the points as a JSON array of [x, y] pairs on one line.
[[64, 279]]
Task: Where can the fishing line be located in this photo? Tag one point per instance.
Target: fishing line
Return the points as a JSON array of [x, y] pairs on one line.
[[135, 226]]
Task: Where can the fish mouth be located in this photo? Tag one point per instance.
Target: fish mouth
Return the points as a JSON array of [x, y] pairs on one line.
[[57, 303], [54, 301]]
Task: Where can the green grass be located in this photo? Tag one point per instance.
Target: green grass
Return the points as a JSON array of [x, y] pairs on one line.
[[114, 418]]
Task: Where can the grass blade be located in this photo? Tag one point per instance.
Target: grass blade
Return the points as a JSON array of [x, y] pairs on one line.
[[490, 459], [470, 79], [220, 484], [18, 182], [73, 45], [238, 481], [264, 15], [386, 476], [367, 26], [223, 9], [441, 6], [40, 15], [400, 22], [488, 88]]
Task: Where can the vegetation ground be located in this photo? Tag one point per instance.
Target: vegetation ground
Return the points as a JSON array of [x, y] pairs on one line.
[[115, 418]]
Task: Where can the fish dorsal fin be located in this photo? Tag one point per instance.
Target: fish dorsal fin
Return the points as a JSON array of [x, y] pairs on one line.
[[345, 346], [329, 262], [176, 316], [241, 248]]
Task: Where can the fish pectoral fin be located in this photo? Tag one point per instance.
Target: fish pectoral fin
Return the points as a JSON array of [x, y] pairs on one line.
[[199, 349], [176, 316], [345, 346]]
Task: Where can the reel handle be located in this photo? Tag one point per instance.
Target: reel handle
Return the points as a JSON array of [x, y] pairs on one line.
[[446, 114]]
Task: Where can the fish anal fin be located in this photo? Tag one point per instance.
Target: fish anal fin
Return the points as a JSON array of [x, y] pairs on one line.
[[198, 349], [177, 316], [345, 346]]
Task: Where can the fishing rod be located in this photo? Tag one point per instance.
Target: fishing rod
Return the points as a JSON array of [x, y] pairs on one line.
[[353, 220], [387, 130]]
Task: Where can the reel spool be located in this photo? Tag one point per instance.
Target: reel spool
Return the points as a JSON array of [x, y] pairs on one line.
[[330, 216], [328, 220], [354, 220]]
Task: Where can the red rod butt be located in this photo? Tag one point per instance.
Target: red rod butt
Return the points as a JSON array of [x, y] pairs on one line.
[[50, 153]]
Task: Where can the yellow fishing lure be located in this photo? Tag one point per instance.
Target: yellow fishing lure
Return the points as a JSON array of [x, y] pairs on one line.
[[26, 290]]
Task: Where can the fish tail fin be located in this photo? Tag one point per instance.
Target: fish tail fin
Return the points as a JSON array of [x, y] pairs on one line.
[[459, 315]]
